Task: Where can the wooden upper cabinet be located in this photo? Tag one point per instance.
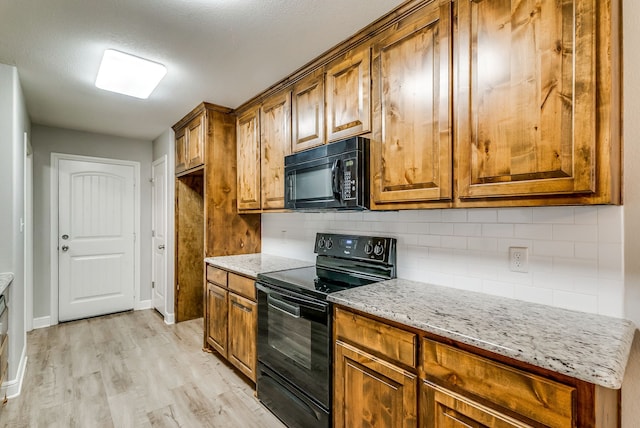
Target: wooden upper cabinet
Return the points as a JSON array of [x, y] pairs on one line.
[[348, 89], [248, 160], [412, 141], [195, 142], [526, 106], [181, 151], [308, 112], [275, 144]]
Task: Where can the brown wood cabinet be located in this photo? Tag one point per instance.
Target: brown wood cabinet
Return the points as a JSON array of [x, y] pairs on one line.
[[348, 89], [308, 112], [275, 144], [535, 98], [412, 142], [385, 376], [207, 222], [190, 141], [230, 318], [249, 160]]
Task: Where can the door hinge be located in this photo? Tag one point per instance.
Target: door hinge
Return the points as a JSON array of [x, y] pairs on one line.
[[177, 287], [134, 237], [153, 284], [153, 233]]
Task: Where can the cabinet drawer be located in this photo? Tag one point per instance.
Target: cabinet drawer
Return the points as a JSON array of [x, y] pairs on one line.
[[393, 343], [242, 285], [217, 276], [540, 399]]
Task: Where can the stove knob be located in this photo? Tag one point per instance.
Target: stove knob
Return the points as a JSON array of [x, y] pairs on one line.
[[368, 248], [329, 244], [321, 243], [378, 249]]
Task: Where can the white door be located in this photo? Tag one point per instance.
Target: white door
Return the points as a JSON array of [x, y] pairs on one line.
[[159, 233], [96, 212]]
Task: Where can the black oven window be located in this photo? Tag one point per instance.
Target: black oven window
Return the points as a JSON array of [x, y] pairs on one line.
[[290, 336]]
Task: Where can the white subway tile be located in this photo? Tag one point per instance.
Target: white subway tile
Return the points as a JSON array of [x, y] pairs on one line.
[[433, 216], [411, 216], [610, 261], [586, 250], [533, 294], [521, 278], [534, 231], [586, 285], [553, 215], [457, 242], [553, 280], [441, 228], [483, 244], [575, 267], [497, 288], [408, 239], [439, 278], [575, 301], [454, 216], [505, 243], [611, 298], [430, 240], [540, 263], [467, 229], [610, 224], [585, 215], [575, 232], [515, 215], [467, 283], [553, 248], [482, 215], [498, 230]]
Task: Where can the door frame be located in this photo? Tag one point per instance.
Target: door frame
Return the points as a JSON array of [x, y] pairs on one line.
[[53, 244], [161, 159]]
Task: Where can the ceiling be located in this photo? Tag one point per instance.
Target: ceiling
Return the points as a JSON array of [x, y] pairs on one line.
[[220, 51]]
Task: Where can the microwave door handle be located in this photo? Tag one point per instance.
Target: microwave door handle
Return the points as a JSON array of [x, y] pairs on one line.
[[335, 180]]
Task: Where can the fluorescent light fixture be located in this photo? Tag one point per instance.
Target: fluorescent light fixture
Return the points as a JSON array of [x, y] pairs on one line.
[[129, 75]]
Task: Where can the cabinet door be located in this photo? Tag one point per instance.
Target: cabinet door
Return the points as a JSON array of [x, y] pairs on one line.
[[248, 160], [348, 89], [243, 322], [412, 144], [371, 392], [308, 112], [526, 110], [441, 408], [181, 151], [216, 318], [195, 142], [275, 143]]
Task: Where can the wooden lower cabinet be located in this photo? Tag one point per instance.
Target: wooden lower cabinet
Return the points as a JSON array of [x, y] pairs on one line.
[[243, 318], [385, 377], [231, 318], [371, 392], [441, 408]]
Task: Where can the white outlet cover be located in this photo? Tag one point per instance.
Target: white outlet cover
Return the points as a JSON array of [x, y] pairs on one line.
[[519, 259]]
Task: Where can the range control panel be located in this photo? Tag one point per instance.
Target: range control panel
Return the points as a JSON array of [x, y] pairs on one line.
[[372, 248]]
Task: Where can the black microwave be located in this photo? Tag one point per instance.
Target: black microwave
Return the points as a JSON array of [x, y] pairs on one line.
[[334, 176]]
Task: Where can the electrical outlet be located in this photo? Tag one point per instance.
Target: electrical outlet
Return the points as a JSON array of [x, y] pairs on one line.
[[519, 259]]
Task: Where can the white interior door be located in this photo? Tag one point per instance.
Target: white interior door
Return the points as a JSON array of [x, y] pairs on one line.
[[159, 234], [96, 264]]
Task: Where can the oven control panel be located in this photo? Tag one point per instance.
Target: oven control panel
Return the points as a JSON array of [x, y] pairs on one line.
[[372, 248]]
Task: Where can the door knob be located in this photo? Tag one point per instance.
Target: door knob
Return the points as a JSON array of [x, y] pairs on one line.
[[161, 247], [65, 247]]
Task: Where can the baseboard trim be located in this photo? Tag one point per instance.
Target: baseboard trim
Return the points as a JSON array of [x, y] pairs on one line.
[[142, 304], [41, 322], [12, 388], [170, 319]]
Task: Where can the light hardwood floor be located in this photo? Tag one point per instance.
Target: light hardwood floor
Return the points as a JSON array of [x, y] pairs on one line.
[[130, 370]]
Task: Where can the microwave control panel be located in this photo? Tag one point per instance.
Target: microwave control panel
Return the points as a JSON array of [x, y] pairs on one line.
[[349, 176]]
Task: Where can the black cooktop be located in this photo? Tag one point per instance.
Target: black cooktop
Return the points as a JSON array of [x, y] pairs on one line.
[[314, 281]]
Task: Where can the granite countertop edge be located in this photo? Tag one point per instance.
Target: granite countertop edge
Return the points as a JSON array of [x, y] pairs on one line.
[[6, 278], [588, 347], [256, 263]]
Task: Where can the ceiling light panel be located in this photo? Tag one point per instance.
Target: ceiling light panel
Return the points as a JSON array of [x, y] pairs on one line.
[[128, 74]]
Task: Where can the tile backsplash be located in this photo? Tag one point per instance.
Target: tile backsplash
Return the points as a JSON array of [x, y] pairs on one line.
[[575, 253]]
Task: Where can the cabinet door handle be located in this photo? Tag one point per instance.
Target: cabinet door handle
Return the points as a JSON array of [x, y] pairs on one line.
[[241, 307]]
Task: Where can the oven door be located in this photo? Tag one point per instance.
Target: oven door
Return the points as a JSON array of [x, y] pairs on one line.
[[294, 340]]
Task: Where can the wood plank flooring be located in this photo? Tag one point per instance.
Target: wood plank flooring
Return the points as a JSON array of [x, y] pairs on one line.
[[130, 370]]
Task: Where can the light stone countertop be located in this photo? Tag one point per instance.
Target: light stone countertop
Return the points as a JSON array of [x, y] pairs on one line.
[[5, 280], [589, 347], [253, 264]]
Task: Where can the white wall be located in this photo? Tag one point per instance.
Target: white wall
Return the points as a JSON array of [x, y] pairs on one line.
[[575, 253], [14, 122], [165, 145], [47, 140]]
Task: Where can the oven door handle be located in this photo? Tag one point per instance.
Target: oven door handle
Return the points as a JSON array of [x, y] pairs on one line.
[[284, 307]]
